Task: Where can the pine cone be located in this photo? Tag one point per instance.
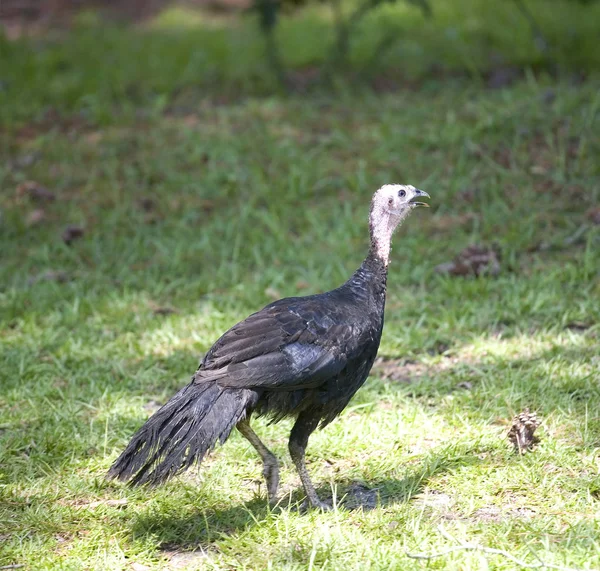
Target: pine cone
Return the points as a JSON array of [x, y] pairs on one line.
[[521, 433]]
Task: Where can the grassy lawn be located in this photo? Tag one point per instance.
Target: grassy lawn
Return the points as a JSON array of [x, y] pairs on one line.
[[198, 208]]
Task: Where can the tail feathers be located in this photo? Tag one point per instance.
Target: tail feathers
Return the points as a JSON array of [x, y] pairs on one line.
[[180, 433]]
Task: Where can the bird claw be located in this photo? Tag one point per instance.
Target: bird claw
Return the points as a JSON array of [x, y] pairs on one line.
[[323, 506], [315, 504], [271, 476]]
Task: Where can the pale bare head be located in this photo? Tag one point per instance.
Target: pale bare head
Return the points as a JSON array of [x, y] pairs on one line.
[[391, 204]]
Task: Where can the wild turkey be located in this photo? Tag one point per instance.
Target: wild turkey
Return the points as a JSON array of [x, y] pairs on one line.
[[303, 357]]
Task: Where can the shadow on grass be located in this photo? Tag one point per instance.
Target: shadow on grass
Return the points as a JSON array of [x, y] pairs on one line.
[[197, 530]]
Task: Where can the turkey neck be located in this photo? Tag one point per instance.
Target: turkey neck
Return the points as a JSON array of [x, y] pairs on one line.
[[368, 283]]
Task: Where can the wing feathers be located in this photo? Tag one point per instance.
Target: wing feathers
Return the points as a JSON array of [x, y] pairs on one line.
[[285, 347]]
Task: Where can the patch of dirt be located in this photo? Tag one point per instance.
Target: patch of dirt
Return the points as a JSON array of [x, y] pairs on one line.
[[421, 446], [496, 514], [186, 559], [522, 512], [51, 121], [487, 514], [437, 503], [195, 551], [399, 370], [407, 371], [83, 503], [443, 505], [434, 499], [26, 17]]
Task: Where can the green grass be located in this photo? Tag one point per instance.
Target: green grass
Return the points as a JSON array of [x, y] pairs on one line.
[[268, 196]]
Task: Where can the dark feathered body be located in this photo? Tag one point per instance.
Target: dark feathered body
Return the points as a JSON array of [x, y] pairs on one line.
[[307, 354], [297, 355], [303, 357]]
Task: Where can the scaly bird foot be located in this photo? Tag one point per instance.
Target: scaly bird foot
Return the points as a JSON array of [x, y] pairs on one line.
[[316, 504], [271, 475]]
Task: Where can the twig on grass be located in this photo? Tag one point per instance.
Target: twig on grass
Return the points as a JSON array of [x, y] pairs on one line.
[[13, 566], [464, 546]]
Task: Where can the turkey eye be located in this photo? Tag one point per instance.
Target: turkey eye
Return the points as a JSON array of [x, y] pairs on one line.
[[401, 193]]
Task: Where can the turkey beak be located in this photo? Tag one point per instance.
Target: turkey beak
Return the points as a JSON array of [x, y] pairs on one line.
[[420, 193]]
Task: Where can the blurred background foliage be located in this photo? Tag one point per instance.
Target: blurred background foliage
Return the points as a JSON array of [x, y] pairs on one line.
[[72, 56]]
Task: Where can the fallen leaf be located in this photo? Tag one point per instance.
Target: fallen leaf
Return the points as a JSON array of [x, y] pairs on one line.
[[72, 233], [35, 192], [473, 260]]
